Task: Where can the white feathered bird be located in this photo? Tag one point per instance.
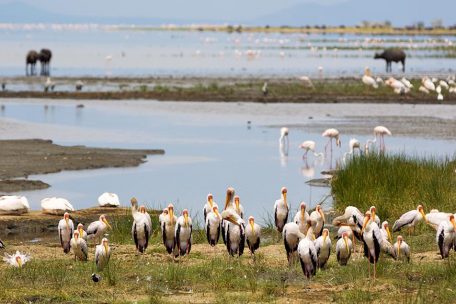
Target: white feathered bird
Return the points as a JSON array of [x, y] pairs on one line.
[[13, 205], [56, 205], [183, 233], [108, 199], [253, 235], [65, 229], [281, 210], [102, 254], [17, 259], [79, 247]]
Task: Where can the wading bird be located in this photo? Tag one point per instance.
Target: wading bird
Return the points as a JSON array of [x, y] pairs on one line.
[[372, 239], [235, 232], [317, 218], [108, 199], [323, 248], [96, 229], [368, 79], [291, 237], [331, 134], [252, 235], [380, 132], [66, 229], [162, 216], [213, 226], [281, 211], [82, 233], [229, 204], [308, 254], [208, 207], [309, 145], [141, 229], [284, 142], [79, 247], [386, 239], [353, 145], [56, 205], [16, 260], [238, 207], [302, 217], [102, 254], [428, 84], [446, 236], [168, 230], [401, 249], [343, 249], [183, 233], [410, 219], [435, 217]]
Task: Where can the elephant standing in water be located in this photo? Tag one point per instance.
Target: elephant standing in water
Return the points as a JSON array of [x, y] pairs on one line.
[[30, 60], [45, 59]]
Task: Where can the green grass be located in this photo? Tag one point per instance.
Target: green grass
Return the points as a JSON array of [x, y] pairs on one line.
[[396, 184]]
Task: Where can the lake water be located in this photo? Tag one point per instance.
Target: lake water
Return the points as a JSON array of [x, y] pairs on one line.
[[83, 49], [209, 146]]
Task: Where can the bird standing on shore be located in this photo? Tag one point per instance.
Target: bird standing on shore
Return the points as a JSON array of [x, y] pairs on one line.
[[368, 79], [168, 227], [82, 233], [252, 235], [410, 219], [102, 254], [308, 254], [301, 218], [66, 229], [446, 236], [372, 239], [265, 90], [401, 249], [96, 229], [235, 232], [208, 207], [291, 237], [141, 229], [79, 247], [281, 210], [344, 248], [183, 233], [323, 248], [13, 205], [213, 226], [317, 219]]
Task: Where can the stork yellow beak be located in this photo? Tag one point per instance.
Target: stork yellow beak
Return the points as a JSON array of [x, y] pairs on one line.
[[106, 248], [399, 248], [171, 216], [324, 239], [322, 215], [107, 224], [211, 202], [346, 243], [389, 234], [19, 262], [81, 231], [366, 220], [252, 224], [186, 219], [228, 199], [217, 213], [373, 216], [67, 224], [285, 199], [231, 220], [454, 223], [424, 216]]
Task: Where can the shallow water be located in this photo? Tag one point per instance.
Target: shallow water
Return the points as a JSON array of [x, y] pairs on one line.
[[208, 146], [82, 50]]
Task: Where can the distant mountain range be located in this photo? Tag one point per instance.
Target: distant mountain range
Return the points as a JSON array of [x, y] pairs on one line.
[[399, 12]]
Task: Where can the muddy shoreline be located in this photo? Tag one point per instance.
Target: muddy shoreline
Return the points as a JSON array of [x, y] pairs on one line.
[[21, 158], [219, 89]]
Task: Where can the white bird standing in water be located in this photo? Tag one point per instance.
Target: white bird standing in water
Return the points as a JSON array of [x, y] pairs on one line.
[[353, 145], [331, 134], [281, 210], [16, 260], [309, 145], [344, 248], [183, 233], [97, 229], [252, 235], [379, 131], [284, 143], [65, 229], [264, 89], [301, 218], [102, 254], [79, 247]]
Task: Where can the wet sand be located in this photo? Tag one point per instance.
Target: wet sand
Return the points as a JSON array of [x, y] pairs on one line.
[[21, 158]]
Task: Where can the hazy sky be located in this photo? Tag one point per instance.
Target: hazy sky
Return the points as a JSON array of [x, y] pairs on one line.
[[332, 12]]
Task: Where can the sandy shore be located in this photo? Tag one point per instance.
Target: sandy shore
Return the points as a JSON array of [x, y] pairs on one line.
[[21, 158]]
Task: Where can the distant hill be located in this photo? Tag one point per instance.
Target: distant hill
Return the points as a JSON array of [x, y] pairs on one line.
[[399, 12]]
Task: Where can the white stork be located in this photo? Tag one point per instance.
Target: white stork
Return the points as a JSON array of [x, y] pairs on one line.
[[291, 237], [281, 211], [65, 229], [372, 239], [446, 236], [229, 204], [183, 233], [401, 249], [308, 254], [213, 226], [208, 207], [252, 235], [302, 217], [97, 229], [238, 207], [102, 254], [82, 233], [168, 227], [162, 216], [410, 219], [317, 218], [141, 229], [343, 249], [235, 232], [79, 247], [323, 248], [16, 260]]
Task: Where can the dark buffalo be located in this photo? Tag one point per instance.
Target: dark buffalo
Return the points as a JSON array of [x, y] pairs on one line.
[[392, 55], [30, 60], [45, 59]]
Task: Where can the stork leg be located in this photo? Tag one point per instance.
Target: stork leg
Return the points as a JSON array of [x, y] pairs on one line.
[[375, 269], [368, 262]]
